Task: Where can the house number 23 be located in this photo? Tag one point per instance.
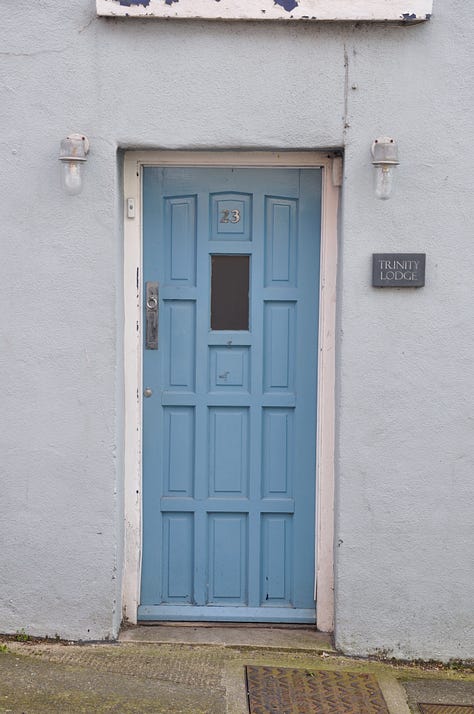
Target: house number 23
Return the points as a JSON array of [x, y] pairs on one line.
[[230, 216]]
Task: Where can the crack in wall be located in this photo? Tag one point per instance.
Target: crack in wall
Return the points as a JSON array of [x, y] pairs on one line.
[[34, 54], [346, 124]]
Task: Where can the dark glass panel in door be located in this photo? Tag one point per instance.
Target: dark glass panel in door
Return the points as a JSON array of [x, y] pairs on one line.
[[230, 292]]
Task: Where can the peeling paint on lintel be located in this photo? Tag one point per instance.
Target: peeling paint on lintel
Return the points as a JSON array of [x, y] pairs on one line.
[[408, 11]]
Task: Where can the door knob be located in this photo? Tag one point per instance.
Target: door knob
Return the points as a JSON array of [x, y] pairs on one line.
[[147, 392]]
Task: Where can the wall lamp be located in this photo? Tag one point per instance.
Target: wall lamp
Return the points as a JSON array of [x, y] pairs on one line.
[[72, 155], [384, 159]]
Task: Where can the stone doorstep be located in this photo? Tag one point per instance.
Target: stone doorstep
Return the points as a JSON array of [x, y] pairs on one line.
[[301, 639]]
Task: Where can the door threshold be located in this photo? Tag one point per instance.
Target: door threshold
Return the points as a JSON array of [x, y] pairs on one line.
[[205, 613], [227, 625]]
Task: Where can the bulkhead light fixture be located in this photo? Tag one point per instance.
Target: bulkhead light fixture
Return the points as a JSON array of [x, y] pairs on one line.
[[72, 155], [384, 159]]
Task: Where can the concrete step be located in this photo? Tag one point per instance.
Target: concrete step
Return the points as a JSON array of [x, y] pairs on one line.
[[289, 638]]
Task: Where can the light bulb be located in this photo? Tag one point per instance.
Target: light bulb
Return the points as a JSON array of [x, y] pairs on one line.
[[384, 180], [71, 177]]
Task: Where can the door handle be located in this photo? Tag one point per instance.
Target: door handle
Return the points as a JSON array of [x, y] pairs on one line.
[[151, 315]]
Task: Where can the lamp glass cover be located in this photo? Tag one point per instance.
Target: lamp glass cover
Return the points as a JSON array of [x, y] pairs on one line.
[[71, 177], [384, 180]]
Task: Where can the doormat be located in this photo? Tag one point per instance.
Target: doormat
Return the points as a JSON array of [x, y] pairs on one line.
[[278, 690], [446, 709]]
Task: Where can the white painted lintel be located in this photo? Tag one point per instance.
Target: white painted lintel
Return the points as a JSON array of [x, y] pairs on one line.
[[316, 10]]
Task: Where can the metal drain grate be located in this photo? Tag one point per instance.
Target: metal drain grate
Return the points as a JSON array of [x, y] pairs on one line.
[[278, 690], [446, 709]]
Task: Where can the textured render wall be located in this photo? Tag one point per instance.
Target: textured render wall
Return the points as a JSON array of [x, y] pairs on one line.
[[405, 385], [405, 516]]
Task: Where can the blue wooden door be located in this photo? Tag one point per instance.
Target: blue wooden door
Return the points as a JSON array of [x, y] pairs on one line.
[[230, 423]]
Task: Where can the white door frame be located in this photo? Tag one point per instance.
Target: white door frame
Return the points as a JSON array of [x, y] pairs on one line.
[[331, 166]]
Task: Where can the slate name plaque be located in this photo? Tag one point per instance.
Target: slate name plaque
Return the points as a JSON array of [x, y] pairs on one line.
[[398, 270]]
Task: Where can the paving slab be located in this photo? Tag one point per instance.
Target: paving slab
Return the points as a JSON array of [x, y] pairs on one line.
[[445, 709], [440, 691], [34, 685], [282, 638]]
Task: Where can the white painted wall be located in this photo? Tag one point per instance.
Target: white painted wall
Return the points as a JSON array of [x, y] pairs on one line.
[[404, 458]]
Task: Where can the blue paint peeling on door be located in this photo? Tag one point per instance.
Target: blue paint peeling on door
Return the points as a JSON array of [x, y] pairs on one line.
[[229, 429]]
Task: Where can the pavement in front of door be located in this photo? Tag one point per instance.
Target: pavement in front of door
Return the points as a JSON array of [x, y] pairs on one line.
[[191, 669]]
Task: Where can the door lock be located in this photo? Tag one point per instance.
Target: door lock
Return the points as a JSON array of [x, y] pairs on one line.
[[151, 315]]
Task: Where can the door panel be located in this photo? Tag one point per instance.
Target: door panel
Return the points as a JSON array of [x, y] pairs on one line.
[[229, 429]]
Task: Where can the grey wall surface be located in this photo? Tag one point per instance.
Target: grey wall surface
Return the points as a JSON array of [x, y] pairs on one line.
[[404, 462]]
